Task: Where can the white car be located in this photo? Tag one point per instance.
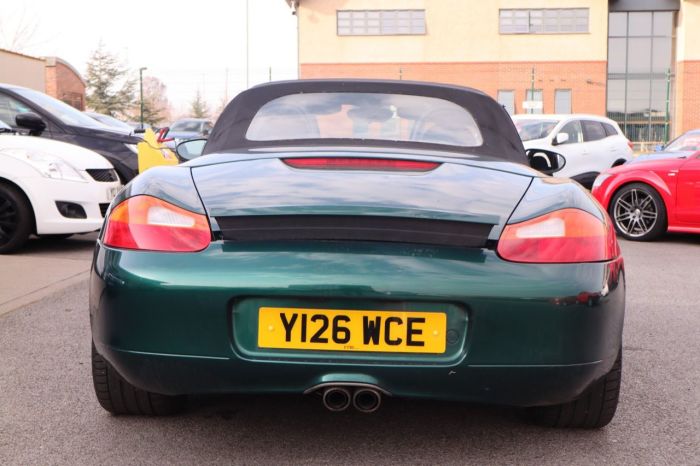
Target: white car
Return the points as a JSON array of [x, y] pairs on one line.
[[589, 144], [50, 188]]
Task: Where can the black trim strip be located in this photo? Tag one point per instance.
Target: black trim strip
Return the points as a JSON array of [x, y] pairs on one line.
[[354, 228]]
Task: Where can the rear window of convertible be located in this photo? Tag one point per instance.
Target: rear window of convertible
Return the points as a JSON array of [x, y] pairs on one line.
[[354, 115]]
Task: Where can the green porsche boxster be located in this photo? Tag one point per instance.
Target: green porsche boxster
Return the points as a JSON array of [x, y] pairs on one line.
[[359, 240]]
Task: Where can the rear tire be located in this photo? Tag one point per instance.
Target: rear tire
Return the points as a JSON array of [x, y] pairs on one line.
[[16, 219], [592, 410], [118, 396], [642, 202]]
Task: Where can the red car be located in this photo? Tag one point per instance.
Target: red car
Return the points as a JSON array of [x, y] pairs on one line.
[[655, 192]]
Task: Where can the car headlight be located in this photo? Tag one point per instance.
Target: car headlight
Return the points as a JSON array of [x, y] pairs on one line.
[[48, 165], [600, 179], [133, 148]]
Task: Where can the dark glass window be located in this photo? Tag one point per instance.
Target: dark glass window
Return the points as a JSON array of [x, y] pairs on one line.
[[593, 130], [640, 23], [562, 101], [547, 20], [640, 58], [380, 22], [609, 129], [617, 55], [507, 99], [536, 97], [617, 25], [573, 129]]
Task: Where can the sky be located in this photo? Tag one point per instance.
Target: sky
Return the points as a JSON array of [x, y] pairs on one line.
[[190, 46]]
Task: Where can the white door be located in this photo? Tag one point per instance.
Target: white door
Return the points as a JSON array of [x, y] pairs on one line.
[[601, 148], [573, 150]]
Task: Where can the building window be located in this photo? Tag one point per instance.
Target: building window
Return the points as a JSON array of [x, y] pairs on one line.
[[562, 101], [543, 21], [533, 102], [507, 99], [640, 56], [380, 22]]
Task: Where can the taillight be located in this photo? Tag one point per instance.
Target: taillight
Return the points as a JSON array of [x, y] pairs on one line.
[[562, 236], [359, 163], [148, 223], [630, 144]]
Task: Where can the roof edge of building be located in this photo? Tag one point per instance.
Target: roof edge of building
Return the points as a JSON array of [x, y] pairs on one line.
[[21, 54], [52, 61]]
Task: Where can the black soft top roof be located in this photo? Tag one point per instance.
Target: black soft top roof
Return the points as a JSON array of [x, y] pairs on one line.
[[500, 138]]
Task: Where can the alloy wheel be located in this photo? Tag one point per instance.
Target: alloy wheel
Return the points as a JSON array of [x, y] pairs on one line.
[[636, 213], [9, 220]]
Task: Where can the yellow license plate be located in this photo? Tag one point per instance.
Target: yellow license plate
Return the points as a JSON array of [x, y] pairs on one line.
[[346, 330]]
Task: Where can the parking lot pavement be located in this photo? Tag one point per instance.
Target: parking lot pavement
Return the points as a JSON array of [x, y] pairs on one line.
[[49, 415], [43, 266]]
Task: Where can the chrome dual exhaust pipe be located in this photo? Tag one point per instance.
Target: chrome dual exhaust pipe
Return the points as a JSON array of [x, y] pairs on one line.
[[366, 400], [338, 398]]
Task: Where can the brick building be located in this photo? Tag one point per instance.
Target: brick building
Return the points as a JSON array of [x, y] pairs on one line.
[[52, 75], [552, 56], [64, 82]]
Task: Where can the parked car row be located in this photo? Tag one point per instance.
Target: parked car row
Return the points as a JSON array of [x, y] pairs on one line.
[[656, 192], [39, 114], [589, 144], [644, 199], [645, 195], [50, 188]]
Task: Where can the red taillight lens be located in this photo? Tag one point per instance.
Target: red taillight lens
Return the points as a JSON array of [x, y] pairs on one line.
[[148, 223], [630, 144], [562, 236], [359, 163]]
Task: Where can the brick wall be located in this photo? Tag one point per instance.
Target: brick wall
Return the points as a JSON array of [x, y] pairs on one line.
[[585, 79], [63, 83], [687, 98]]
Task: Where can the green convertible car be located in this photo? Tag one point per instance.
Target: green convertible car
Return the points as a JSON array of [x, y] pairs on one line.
[[358, 240]]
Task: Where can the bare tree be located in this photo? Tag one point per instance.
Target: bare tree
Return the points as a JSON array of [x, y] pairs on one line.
[[18, 30]]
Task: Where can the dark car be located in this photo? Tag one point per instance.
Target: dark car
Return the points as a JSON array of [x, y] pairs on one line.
[[184, 129], [112, 122], [43, 115], [359, 240]]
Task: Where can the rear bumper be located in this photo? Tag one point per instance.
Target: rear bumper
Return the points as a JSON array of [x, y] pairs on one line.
[[531, 334]]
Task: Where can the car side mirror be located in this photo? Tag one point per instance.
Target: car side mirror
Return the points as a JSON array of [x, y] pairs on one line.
[[31, 121], [560, 138], [190, 149], [658, 148], [545, 161]]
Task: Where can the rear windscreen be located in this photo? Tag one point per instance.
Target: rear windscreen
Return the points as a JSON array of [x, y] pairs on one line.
[[357, 115]]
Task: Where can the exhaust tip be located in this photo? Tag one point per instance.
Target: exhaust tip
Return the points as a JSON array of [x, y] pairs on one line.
[[336, 399], [366, 400]]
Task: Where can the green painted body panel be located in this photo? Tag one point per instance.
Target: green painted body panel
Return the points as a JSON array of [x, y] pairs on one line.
[[527, 334], [452, 191]]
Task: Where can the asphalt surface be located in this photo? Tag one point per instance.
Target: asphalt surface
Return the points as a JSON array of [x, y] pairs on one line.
[[49, 415]]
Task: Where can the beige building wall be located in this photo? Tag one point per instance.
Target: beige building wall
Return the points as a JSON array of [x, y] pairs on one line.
[[22, 70], [457, 31]]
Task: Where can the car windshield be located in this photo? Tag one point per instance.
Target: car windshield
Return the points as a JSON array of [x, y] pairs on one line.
[[186, 126], [534, 129], [64, 112], [110, 121], [685, 142], [356, 115]]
